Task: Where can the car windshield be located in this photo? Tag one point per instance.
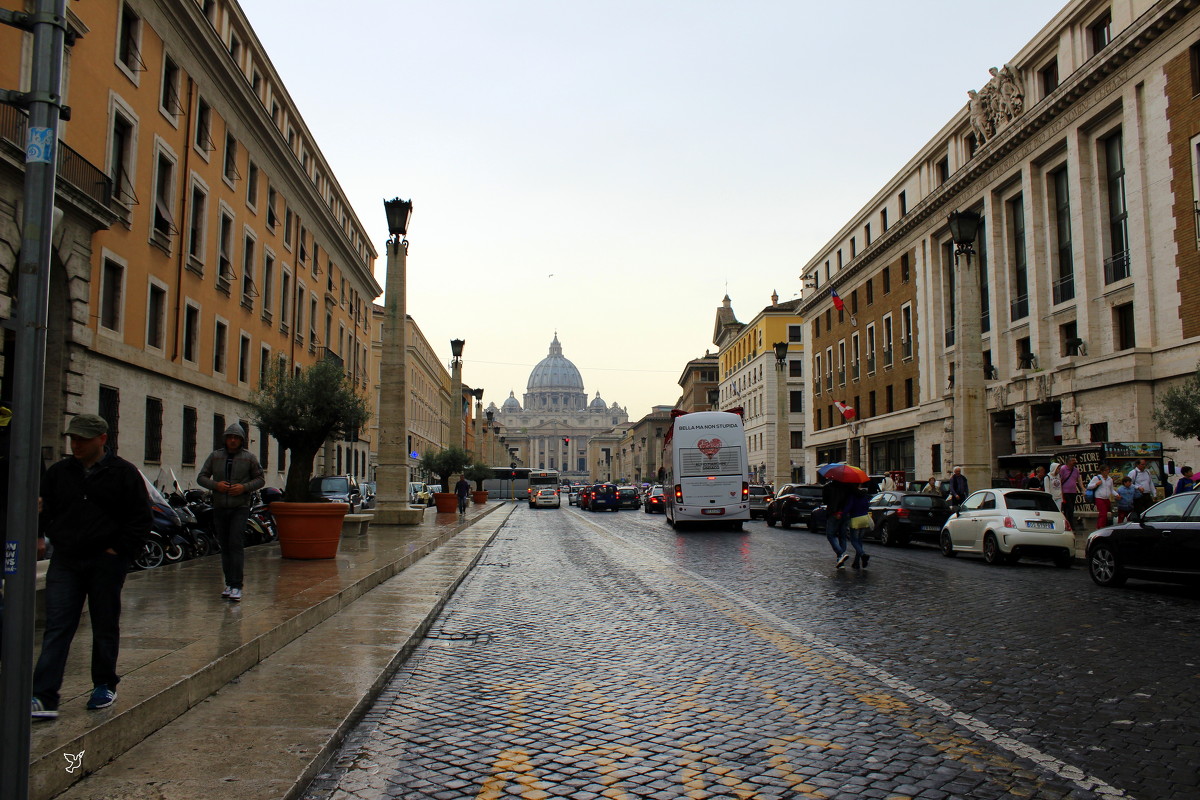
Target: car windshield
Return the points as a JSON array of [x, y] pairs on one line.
[[759, 490], [1030, 501], [806, 491], [656, 491], [926, 501], [333, 485], [629, 493]]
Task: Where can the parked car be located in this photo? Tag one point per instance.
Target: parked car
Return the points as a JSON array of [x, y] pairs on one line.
[[602, 496], [337, 489], [1161, 544], [547, 498], [793, 505], [655, 502], [368, 493], [1007, 524], [900, 517], [628, 497], [760, 497]]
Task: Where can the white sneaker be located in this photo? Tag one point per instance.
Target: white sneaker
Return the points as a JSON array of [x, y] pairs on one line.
[[235, 594], [841, 563], [226, 592]]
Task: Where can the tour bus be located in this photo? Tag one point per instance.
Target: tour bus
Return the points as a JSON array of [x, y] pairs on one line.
[[511, 483], [707, 474], [541, 479]]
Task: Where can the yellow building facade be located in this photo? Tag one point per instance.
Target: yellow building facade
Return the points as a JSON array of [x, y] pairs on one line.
[[204, 238]]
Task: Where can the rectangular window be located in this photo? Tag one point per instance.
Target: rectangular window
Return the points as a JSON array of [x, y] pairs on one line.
[[887, 341], [903, 201], [1194, 55], [887, 280], [842, 362], [110, 409], [871, 409], [231, 154], [121, 160], [795, 333], [853, 247], [225, 262], [129, 37], [287, 227], [196, 223], [188, 445], [252, 185], [264, 364], [156, 317], [870, 345], [191, 333], [889, 400], [218, 431], [817, 373], [906, 332], [112, 291], [943, 170], [249, 290], [1100, 32], [870, 291], [1064, 283], [244, 359], [839, 259], [203, 138], [905, 268], [883, 219], [855, 366], [272, 201], [1116, 266], [796, 402], [1020, 269], [908, 393], [1025, 357], [220, 347], [285, 299], [948, 294], [867, 235], [1124, 332], [164, 194], [795, 368], [1048, 77], [168, 98], [1068, 336], [268, 284], [153, 448], [797, 440], [854, 302]]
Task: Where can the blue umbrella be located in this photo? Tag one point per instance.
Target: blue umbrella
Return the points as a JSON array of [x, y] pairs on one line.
[[824, 468]]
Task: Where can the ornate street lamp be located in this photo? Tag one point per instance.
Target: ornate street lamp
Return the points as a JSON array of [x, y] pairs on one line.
[[783, 435], [458, 423], [971, 439], [399, 212]]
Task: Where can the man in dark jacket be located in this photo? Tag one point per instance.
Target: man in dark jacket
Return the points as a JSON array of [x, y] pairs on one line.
[[240, 476], [837, 523], [958, 487], [96, 513]]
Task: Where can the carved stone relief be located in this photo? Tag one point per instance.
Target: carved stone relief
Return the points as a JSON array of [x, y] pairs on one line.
[[998, 103]]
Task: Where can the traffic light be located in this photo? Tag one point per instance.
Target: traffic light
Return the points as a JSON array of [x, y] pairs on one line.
[[567, 440]]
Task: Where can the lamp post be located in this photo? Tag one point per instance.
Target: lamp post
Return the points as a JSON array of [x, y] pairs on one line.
[[456, 403], [478, 395], [783, 431], [391, 476], [971, 440], [488, 428], [714, 399]]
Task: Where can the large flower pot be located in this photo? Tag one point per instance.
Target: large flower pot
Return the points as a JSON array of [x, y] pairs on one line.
[[479, 497], [309, 530], [446, 502]]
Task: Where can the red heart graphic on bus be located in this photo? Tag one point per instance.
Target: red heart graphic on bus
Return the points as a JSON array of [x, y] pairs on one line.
[[710, 447]]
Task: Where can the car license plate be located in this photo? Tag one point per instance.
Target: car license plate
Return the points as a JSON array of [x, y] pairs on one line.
[[1041, 525], [712, 511], [929, 527]]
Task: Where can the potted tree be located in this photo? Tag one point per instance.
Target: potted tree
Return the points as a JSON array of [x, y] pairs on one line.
[[444, 464], [479, 473], [302, 411]]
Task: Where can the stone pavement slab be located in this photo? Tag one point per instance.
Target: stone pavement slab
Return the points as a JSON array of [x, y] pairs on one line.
[[181, 642]]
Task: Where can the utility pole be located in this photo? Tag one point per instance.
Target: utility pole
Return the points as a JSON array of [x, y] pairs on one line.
[[44, 102]]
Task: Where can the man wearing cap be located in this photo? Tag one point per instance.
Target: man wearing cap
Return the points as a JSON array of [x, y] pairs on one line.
[[95, 510], [240, 476]]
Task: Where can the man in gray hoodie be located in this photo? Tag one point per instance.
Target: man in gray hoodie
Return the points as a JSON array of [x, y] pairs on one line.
[[232, 474]]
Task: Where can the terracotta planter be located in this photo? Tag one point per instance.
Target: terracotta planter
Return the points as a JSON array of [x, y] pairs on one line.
[[309, 530], [446, 502], [479, 497]]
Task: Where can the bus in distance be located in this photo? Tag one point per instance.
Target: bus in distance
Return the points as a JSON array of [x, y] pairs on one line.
[[707, 473]]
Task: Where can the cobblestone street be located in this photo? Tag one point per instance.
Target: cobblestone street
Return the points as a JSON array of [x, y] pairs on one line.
[[606, 655]]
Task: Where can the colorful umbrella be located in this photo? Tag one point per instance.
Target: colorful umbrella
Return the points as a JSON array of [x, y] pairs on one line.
[[823, 468], [844, 473]]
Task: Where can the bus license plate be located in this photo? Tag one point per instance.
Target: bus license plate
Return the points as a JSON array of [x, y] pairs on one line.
[[712, 511]]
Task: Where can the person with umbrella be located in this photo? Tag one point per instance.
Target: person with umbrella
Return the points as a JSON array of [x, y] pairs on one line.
[[840, 481]]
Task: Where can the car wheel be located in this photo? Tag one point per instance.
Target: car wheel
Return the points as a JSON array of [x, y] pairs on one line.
[[783, 522], [947, 545], [770, 522], [1104, 566], [991, 550], [887, 536]]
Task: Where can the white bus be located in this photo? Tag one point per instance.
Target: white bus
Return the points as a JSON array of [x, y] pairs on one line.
[[707, 473]]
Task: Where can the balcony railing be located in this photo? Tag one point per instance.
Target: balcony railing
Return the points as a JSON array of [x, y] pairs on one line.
[[842, 376], [1064, 289], [72, 168], [870, 365], [887, 357], [1019, 308], [906, 349], [829, 381], [855, 370], [816, 386], [1116, 267]]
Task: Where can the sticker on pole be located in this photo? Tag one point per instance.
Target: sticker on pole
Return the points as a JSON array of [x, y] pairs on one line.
[[39, 147], [10, 558]]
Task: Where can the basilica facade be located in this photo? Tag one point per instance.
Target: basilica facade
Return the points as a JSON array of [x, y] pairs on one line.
[[552, 425]]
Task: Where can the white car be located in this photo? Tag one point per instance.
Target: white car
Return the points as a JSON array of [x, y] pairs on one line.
[[1007, 524], [547, 498]]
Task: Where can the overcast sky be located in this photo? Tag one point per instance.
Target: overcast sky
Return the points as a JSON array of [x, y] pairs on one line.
[[608, 170]]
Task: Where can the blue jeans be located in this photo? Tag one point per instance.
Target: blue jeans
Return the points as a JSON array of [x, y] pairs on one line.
[[855, 535], [229, 524], [462, 504], [69, 581], [836, 528]]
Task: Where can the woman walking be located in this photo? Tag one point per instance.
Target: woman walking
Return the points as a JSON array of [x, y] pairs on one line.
[[858, 510]]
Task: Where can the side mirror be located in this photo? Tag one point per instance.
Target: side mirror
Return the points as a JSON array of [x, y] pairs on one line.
[[1135, 517]]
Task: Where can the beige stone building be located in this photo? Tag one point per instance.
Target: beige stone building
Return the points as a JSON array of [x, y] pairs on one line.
[[1082, 156], [700, 376], [204, 237]]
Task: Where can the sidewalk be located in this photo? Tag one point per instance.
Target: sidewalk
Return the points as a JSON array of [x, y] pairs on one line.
[[186, 652]]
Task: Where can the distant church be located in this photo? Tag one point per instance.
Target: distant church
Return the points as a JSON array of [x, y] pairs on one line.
[[556, 407]]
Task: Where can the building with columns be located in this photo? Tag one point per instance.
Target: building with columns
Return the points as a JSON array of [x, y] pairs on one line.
[[556, 409], [1082, 157]]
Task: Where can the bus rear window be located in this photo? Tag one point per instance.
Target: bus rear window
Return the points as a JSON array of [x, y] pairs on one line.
[[693, 463]]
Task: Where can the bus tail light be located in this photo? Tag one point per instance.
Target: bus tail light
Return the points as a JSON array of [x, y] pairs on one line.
[[745, 491], [678, 493]]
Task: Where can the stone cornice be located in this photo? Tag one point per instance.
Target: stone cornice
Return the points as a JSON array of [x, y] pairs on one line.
[[1024, 135]]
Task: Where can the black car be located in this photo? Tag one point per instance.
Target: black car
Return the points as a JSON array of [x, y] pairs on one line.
[[1162, 544], [337, 489], [793, 505], [655, 501], [900, 517], [627, 497]]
